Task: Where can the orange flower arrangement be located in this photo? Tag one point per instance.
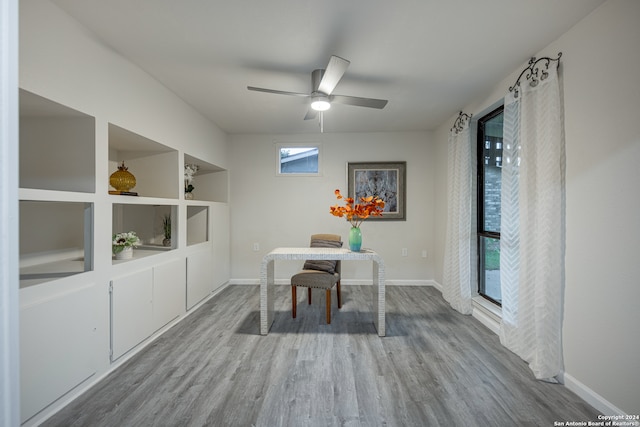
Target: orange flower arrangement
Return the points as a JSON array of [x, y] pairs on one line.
[[370, 206]]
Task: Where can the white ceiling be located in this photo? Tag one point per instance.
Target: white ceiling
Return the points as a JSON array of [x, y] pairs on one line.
[[429, 58]]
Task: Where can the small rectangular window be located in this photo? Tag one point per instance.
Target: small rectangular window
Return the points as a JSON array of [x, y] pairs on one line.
[[298, 159]]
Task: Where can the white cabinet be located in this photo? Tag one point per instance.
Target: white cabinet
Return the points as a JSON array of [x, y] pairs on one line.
[[143, 302], [220, 238], [199, 277], [169, 289], [57, 347], [131, 311]]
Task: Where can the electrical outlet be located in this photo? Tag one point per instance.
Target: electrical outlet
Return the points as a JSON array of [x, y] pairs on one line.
[[424, 253], [256, 247], [405, 252]]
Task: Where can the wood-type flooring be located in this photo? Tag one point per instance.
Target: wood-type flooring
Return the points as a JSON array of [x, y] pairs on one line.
[[435, 367]]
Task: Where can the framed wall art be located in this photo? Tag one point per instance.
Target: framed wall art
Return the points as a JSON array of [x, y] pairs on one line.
[[383, 179]]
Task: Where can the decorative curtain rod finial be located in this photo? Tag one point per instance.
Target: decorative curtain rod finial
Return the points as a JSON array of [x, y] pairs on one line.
[[460, 122], [534, 73]]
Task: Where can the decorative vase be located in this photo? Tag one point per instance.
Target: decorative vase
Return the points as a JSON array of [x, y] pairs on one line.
[[122, 179], [188, 196], [355, 239], [166, 242], [126, 253]]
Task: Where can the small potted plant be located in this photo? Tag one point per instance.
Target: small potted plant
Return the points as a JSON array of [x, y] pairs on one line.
[[166, 228], [122, 244]]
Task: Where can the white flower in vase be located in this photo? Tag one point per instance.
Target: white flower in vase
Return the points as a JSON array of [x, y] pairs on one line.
[[190, 170]]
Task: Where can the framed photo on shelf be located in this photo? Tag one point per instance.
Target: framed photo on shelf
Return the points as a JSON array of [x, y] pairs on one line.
[[383, 179]]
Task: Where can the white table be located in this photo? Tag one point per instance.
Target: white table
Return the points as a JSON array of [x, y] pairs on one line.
[[290, 254]]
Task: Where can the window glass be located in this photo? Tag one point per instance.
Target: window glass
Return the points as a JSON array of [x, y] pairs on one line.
[[298, 159], [489, 203], [490, 271]]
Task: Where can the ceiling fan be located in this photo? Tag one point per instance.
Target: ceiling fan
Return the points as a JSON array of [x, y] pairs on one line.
[[323, 82]]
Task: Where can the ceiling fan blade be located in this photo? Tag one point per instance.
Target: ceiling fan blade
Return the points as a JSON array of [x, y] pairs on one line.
[[311, 114], [278, 92], [332, 74], [359, 102]]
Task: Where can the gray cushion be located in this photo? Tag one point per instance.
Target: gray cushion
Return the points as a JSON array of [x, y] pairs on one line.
[[315, 279], [328, 266]]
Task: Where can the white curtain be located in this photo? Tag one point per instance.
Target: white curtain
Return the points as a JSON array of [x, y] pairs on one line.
[[457, 255], [532, 227]]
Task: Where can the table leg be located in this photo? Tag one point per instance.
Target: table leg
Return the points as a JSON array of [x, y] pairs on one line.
[[379, 298], [266, 296]]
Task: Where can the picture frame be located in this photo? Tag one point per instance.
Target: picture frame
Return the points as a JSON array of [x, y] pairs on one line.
[[383, 179]]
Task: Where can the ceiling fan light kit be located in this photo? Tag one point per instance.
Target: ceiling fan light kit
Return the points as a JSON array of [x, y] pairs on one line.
[[323, 82], [320, 103]]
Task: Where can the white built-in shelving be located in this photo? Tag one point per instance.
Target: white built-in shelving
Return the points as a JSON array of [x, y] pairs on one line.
[[57, 181], [154, 165], [57, 146], [69, 278], [211, 182], [197, 224], [55, 240]]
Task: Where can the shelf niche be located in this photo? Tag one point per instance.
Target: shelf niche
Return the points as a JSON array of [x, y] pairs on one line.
[[147, 222], [197, 224], [57, 146], [56, 240], [155, 166], [210, 182]]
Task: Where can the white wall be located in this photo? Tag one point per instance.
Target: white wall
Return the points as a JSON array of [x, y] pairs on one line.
[[62, 61], [284, 211], [600, 66]]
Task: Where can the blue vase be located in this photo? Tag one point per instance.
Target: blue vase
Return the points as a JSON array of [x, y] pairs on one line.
[[355, 239]]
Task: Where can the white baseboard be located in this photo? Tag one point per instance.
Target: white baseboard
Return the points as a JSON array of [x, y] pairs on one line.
[[436, 285], [347, 282], [487, 313], [244, 281], [490, 317], [410, 283], [482, 312], [591, 397], [481, 316]]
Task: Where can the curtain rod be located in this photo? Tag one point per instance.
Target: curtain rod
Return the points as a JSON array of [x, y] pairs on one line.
[[460, 122], [533, 71]]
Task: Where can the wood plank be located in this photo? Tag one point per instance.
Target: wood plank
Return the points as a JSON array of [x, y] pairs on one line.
[[435, 367]]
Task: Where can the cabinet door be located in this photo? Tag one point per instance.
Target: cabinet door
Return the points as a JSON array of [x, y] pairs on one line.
[[57, 347], [131, 311], [169, 292], [220, 237], [199, 277]]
